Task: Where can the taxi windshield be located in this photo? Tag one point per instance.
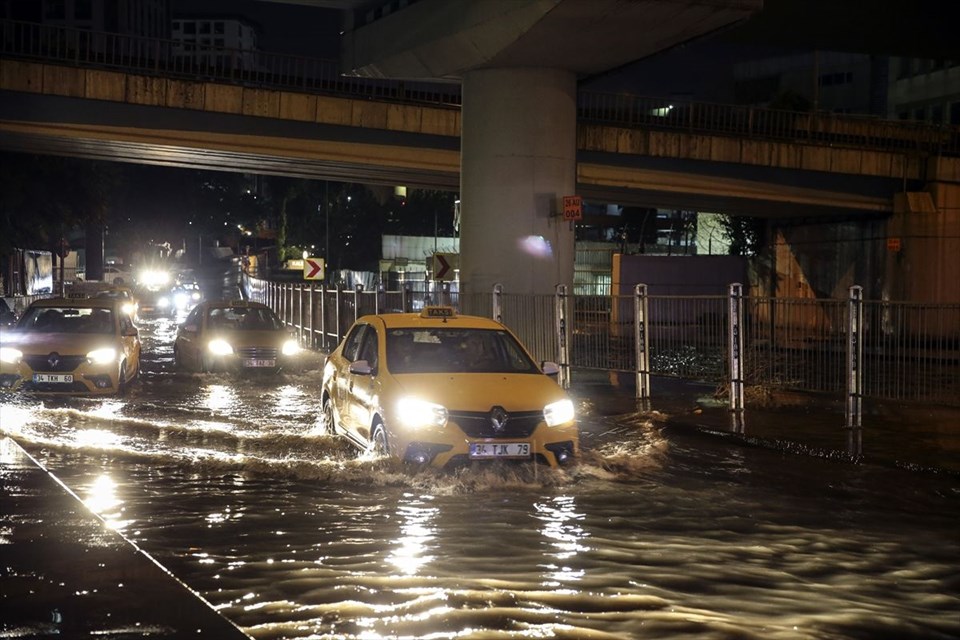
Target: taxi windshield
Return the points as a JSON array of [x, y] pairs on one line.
[[67, 320], [242, 319], [449, 350]]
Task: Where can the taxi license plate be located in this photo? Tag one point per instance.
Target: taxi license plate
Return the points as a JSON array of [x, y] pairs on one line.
[[259, 362], [500, 450], [60, 378]]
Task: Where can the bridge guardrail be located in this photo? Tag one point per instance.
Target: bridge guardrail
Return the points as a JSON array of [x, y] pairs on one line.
[[910, 351]]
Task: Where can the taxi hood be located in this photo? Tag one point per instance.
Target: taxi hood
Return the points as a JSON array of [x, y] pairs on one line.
[[480, 391], [34, 343]]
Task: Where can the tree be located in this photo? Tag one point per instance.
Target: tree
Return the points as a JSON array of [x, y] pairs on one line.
[[42, 198]]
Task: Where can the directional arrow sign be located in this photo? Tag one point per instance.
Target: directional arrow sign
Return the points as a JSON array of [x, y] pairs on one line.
[[444, 265], [313, 269]]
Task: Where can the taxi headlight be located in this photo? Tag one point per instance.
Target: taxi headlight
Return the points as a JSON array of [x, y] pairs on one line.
[[102, 356], [10, 355], [128, 308], [413, 413], [290, 348], [558, 412], [163, 302], [220, 347]]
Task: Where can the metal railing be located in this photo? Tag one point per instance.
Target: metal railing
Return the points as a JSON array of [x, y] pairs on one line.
[[170, 58], [906, 351]]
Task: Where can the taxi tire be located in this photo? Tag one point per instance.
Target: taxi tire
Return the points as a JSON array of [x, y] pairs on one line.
[[378, 443], [327, 419], [121, 380]]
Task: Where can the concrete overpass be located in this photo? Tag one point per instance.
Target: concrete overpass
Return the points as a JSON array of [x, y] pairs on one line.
[[621, 149], [786, 172]]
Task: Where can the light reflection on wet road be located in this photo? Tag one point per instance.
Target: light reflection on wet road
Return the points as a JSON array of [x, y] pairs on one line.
[[230, 484]]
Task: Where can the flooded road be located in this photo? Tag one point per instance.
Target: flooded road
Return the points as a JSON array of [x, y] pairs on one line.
[[230, 483]]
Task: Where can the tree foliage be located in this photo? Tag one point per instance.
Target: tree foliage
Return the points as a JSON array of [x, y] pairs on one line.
[[43, 197]]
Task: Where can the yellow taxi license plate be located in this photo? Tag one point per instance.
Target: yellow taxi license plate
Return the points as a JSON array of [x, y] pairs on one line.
[[500, 450], [259, 362], [62, 378]]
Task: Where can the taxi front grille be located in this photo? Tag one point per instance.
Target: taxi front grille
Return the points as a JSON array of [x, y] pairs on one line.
[[477, 424], [49, 364], [259, 353]]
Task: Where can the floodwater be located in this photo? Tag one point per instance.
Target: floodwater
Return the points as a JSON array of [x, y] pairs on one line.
[[230, 483]]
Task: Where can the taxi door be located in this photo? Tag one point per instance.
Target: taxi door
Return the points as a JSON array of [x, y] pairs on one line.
[[130, 344], [358, 389]]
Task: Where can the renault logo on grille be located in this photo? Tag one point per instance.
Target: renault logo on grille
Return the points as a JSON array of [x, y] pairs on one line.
[[498, 418], [53, 360]]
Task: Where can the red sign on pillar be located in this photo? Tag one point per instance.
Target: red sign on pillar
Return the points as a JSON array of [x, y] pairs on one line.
[[572, 208]]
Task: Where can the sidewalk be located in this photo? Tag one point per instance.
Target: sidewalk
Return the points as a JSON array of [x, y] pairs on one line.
[[914, 436], [65, 574]]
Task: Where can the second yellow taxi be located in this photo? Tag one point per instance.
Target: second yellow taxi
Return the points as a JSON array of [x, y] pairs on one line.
[[438, 388], [71, 345], [237, 335]]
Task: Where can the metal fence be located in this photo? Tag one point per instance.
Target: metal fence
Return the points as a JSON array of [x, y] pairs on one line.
[[260, 69], [876, 349]]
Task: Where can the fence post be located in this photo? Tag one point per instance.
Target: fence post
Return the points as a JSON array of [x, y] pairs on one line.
[[854, 357], [300, 310], [357, 291], [498, 302], [405, 297], [323, 315], [640, 310], [338, 307], [562, 326], [313, 340], [735, 340]]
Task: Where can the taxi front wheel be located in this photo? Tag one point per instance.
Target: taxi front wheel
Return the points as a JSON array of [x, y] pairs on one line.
[[326, 418], [379, 442]]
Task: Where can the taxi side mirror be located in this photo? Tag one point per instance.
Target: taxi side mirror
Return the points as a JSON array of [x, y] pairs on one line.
[[130, 332], [361, 368], [190, 328], [550, 368]]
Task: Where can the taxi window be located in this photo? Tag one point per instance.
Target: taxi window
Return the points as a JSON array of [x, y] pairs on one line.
[[368, 348], [67, 320], [444, 350], [351, 344]]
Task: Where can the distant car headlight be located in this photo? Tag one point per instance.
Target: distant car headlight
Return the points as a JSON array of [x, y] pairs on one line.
[[154, 277], [102, 356], [10, 355], [558, 412], [414, 413], [180, 299], [290, 348], [220, 347], [195, 295], [163, 302]]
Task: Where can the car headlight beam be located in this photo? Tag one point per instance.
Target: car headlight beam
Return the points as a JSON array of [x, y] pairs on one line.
[[559, 412], [290, 348], [10, 355], [414, 413], [102, 356], [220, 347]]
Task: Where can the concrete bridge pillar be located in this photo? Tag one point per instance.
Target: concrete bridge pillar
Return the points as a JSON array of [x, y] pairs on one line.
[[518, 160]]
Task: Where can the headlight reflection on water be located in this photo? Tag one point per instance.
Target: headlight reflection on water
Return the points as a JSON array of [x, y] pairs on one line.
[[417, 531], [221, 397], [559, 525], [102, 499]]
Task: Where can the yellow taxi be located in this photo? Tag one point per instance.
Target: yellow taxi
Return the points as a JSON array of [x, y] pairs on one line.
[[439, 388], [237, 335], [71, 345], [97, 289]]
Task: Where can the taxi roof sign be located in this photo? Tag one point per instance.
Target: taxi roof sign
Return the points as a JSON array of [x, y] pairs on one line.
[[438, 312]]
